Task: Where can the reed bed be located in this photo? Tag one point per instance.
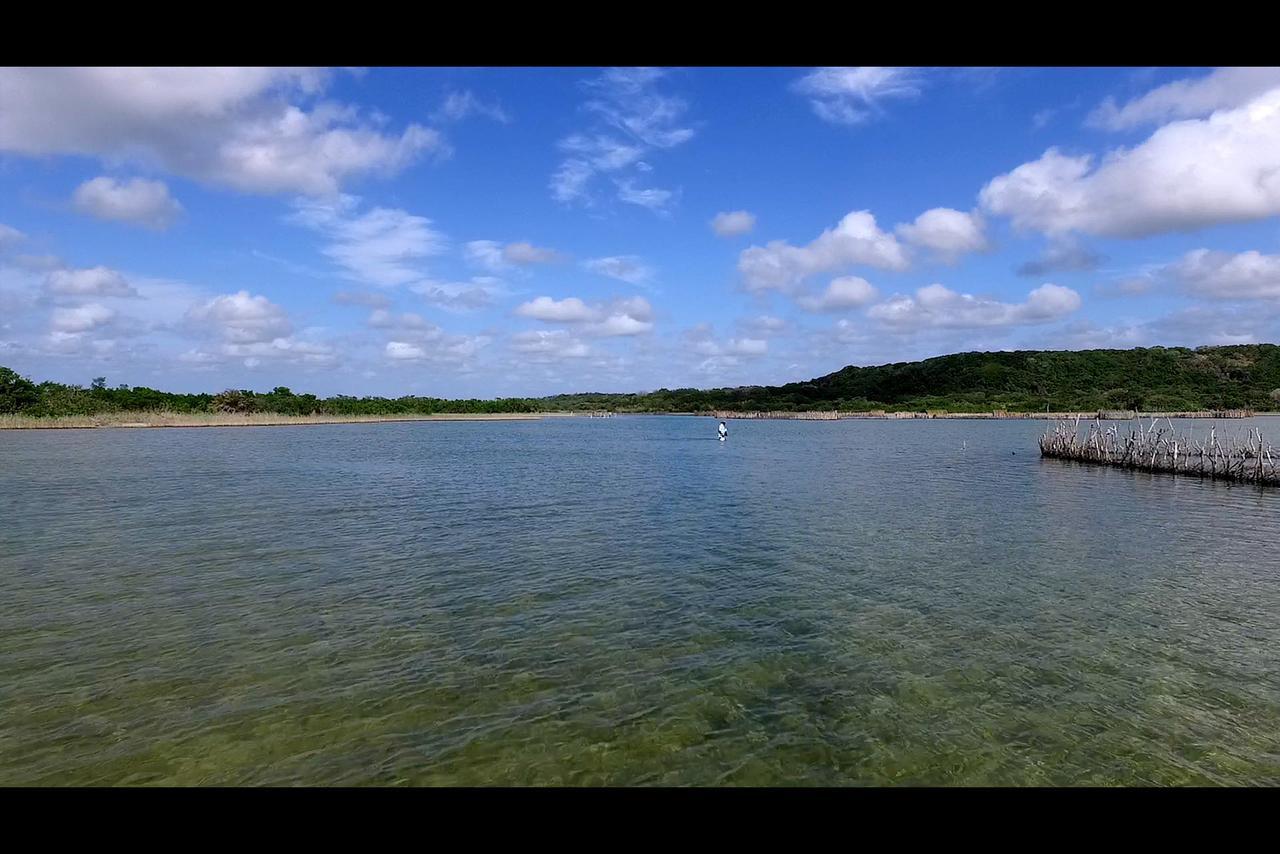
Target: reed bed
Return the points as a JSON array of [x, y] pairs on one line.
[[1244, 457]]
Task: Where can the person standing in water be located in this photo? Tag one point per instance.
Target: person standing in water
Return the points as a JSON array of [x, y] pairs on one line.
[[724, 431]]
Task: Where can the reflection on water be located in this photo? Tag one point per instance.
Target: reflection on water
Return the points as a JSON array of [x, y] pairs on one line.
[[627, 601]]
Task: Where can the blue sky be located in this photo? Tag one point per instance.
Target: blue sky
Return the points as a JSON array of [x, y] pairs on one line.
[[482, 232]]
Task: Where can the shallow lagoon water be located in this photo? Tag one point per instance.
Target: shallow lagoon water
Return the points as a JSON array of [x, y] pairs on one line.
[[628, 601]]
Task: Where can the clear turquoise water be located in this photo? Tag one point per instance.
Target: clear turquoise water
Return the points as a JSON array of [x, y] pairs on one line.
[[627, 601]]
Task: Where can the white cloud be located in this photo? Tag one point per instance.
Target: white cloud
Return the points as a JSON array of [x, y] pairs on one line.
[[1220, 275], [1224, 88], [545, 345], [631, 316], [136, 201], [568, 310], [287, 349], [241, 318], [841, 294], [569, 182], [764, 325], [855, 240], [235, 127], [626, 100], [402, 350], [716, 355], [850, 96], [936, 306], [733, 223], [946, 232], [81, 318], [486, 254], [95, 281], [653, 198], [619, 323], [747, 346], [1187, 175], [524, 253], [634, 120], [492, 255], [431, 344], [626, 268], [380, 247], [459, 105]]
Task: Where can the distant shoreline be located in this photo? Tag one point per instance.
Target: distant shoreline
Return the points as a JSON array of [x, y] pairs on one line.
[[130, 420], [138, 420]]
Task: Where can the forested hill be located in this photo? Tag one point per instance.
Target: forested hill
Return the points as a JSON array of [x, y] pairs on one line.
[[1152, 379]]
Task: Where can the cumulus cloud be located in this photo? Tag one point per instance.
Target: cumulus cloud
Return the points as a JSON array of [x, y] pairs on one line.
[[258, 130], [633, 120], [402, 350], [936, 306], [733, 223], [631, 316], [1189, 174], [626, 268], [81, 318], [544, 345], [717, 355], [747, 346], [241, 318], [286, 349], [841, 294], [136, 201], [436, 346], [1221, 275], [856, 240], [94, 281], [946, 232], [383, 246], [850, 96], [764, 325], [568, 310], [1224, 88]]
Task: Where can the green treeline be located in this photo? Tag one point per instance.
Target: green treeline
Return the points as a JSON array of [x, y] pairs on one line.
[[1243, 376]]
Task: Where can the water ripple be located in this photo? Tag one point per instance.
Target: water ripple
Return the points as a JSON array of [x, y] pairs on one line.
[[627, 601]]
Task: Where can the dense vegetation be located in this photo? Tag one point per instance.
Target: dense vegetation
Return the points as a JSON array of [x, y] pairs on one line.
[[1152, 379]]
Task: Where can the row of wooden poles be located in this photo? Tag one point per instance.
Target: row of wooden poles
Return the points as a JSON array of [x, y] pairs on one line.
[[1245, 457]]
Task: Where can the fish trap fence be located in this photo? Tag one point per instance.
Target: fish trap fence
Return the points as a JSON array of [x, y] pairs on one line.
[[1245, 457]]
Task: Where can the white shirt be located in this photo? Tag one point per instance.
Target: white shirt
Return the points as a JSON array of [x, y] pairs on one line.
[[723, 430]]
